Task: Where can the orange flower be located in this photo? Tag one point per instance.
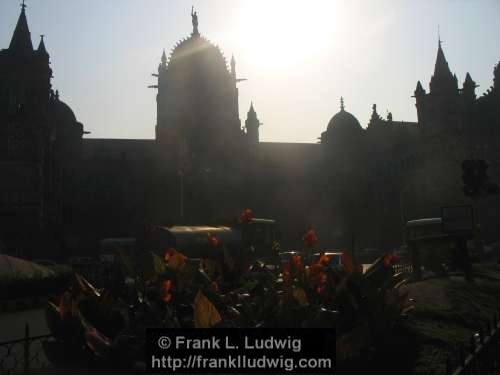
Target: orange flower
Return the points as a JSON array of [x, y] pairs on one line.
[[324, 260], [293, 268], [310, 238], [317, 277], [166, 289], [246, 216], [175, 259], [168, 254], [390, 259], [212, 240]]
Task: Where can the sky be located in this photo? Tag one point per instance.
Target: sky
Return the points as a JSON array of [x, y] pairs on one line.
[[299, 56]]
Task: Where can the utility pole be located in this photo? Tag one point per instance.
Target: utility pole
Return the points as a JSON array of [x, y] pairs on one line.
[[182, 163]]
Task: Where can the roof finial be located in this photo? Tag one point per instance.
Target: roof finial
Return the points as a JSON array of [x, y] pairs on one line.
[[439, 36], [194, 20], [341, 103], [23, 6]]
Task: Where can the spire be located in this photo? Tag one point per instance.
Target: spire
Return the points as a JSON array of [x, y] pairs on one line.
[[443, 81], [251, 111], [341, 103], [194, 21], [41, 47], [252, 125], [496, 76], [375, 119], [419, 91], [469, 87], [441, 66], [163, 58], [21, 39], [233, 67]]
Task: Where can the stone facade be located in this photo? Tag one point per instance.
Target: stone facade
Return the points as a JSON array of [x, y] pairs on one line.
[[357, 185]]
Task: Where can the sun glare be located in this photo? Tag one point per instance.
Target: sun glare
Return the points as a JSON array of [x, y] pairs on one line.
[[283, 33]]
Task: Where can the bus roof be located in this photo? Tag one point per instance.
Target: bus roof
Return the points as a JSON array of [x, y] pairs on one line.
[[263, 221], [422, 222]]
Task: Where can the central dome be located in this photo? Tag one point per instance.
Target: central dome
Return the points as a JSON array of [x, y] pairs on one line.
[[197, 96], [197, 49]]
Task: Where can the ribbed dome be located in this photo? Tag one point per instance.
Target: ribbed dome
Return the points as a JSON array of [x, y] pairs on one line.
[[197, 49], [66, 126], [344, 121], [342, 126], [62, 113]]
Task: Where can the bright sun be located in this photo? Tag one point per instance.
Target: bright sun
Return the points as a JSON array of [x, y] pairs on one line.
[[281, 33]]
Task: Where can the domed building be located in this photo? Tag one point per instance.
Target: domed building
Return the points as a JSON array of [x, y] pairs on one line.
[[67, 132], [343, 127], [197, 101]]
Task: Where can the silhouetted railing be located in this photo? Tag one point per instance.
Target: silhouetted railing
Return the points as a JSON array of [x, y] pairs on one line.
[[23, 355], [482, 356], [403, 267]]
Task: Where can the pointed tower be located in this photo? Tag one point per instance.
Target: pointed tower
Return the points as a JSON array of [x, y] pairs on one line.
[[161, 115], [496, 78], [420, 100], [375, 119], [233, 68], [419, 91], [41, 50], [26, 72], [469, 89], [21, 39], [443, 82], [26, 116], [252, 125]]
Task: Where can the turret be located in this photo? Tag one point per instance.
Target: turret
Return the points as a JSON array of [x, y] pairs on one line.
[[233, 68], [42, 51], [375, 118], [21, 39], [443, 82], [163, 63], [469, 89], [496, 77], [419, 96], [252, 125], [419, 91]]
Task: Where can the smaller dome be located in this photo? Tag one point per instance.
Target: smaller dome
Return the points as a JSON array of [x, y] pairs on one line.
[[62, 113], [342, 125], [66, 126], [344, 121]]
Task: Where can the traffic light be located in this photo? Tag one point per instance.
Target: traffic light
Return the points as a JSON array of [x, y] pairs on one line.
[[475, 179]]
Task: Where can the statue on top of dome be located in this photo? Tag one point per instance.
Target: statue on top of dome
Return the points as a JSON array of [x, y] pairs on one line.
[[194, 20]]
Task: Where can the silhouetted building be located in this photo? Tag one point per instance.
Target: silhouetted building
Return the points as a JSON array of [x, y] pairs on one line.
[[356, 185], [39, 140]]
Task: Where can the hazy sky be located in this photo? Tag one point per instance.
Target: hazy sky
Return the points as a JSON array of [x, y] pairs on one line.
[[299, 56]]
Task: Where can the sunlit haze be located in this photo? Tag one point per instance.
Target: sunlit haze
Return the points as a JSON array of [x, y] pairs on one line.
[[298, 57]]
